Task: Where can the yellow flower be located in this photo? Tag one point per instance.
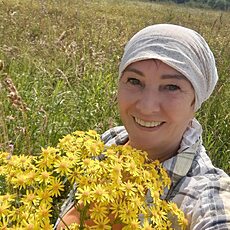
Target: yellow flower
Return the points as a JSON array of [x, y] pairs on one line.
[[183, 222], [128, 212], [134, 224], [12, 163], [74, 175], [44, 177], [102, 224], [55, 187], [74, 226], [158, 215], [4, 223], [30, 224], [129, 189], [93, 134], [115, 207], [24, 161], [47, 226], [137, 201], [47, 158], [84, 194], [44, 196], [116, 172], [115, 192], [45, 163], [7, 197], [87, 163], [99, 193], [85, 181], [98, 211], [63, 166], [141, 190], [3, 170], [43, 213], [131, 167], [164, 178], [66, 142], [4, 157], [20, 181], [101, 167], [110, 152], [94, 147], [74, 156], [48, 152], [17, 214], [79, 133], [138, 156], [110, 190], [30, 198], [147, 226], [4, 209], [31, 177]]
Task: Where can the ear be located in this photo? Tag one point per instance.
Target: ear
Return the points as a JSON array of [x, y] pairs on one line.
[[193, 105], [193, 102]]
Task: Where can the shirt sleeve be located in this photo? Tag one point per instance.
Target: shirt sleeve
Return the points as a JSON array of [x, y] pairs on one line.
[[206, 203]]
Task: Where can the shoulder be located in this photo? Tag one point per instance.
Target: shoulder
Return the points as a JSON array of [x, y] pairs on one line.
[[203, 194], [205, 202], [116, 135]]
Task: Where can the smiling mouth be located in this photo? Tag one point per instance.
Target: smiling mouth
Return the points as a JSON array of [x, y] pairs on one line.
[[148, 124]]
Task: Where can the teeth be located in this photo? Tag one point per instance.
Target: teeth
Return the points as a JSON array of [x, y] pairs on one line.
[[146, 123]]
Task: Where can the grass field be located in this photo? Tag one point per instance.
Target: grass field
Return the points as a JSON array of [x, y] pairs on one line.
[[61, 63]]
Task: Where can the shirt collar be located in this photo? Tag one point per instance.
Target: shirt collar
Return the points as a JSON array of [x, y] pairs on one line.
[[179, 165]]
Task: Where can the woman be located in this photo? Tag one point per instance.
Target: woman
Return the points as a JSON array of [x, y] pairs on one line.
[[166, 73]]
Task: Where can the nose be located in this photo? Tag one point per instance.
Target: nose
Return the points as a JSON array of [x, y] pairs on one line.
[[149, 102]]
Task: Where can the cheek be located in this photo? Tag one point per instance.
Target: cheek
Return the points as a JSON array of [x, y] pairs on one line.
[[179, 110], [125, 98], [121, 100]]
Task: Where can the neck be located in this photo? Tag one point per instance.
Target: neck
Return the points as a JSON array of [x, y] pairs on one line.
[[158, 154]]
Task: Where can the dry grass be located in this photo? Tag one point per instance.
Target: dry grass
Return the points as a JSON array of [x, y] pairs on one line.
[[62, 57]]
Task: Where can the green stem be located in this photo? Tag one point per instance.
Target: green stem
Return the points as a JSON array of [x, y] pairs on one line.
[[83, 215]]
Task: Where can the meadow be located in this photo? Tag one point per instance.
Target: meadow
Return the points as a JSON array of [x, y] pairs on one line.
[[59, 67]]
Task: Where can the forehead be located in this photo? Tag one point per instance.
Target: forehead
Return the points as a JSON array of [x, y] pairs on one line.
[[145, 65], [152, 65]]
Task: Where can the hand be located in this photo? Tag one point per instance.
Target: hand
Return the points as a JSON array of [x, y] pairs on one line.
[[73, 216]]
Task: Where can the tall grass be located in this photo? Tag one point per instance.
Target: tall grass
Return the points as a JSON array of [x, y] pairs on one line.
[[63, 56]]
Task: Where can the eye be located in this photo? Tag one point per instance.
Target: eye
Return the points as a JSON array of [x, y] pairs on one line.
[[172, 87], [133, 81]]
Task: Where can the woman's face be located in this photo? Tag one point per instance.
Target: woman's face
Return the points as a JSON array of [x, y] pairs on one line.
[[156, 104]]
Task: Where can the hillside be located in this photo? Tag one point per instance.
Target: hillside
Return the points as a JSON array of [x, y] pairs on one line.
[[62, 57]]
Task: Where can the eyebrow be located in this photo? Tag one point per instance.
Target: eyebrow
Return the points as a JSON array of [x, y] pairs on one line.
[[130, 69], [165, 76], [174, 76]]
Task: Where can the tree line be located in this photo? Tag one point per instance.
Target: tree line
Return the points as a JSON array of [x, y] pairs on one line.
[[211, 4]]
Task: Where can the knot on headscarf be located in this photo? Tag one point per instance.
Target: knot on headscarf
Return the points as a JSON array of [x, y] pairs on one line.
[[181, 48]]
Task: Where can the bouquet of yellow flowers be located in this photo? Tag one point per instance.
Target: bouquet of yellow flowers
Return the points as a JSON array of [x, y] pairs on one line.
[[115, 185]]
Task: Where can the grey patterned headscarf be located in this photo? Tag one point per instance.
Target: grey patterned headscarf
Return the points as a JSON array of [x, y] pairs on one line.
[[181, 48]]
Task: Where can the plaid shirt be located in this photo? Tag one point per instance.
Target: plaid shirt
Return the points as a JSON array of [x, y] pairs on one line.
[[197, 187]]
